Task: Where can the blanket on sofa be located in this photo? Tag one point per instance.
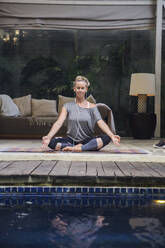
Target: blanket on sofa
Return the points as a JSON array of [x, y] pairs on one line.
[[8, 107]]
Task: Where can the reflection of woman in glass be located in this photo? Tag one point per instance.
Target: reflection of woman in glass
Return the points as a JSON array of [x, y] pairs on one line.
[[75, 232], [82, 117]]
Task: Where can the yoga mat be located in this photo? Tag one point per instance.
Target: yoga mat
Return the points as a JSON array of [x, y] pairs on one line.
[[38, 150]]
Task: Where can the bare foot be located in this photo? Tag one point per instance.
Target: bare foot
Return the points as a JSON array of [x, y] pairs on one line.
[[76, 148], [58, 147], [67, 149]]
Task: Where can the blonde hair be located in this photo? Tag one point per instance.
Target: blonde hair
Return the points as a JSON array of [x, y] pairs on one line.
[[81, 78]]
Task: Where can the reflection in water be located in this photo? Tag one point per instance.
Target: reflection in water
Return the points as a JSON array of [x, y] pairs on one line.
[[149, 230], [75, 232], [103, 223]]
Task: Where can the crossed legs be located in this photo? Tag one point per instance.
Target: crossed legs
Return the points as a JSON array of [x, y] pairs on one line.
[[67, 144]]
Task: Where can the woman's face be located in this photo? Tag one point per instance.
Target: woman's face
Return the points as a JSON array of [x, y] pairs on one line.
[[80, 89]]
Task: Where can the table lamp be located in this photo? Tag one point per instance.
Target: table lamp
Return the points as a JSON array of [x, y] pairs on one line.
[[142, 85], [142, 124]]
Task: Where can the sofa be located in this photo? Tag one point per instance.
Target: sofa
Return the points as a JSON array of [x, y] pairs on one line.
[[32, 118]]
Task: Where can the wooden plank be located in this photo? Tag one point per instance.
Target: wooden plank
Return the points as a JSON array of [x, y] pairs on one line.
[[44, 168], [126, 168], [158, 167], [111, 169], [20, 168], [144, 170], [61, 168], [4, 164], [78, 168], [94, 168]]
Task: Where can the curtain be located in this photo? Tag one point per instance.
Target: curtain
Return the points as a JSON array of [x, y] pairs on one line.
[[48, 15]]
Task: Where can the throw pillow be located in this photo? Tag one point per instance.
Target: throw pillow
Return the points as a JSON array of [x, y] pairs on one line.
[[24, 105], [44, 107], [64, 99], [91, 99], [8, 107]]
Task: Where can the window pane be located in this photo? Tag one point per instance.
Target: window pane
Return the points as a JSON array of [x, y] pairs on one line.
[[45, 63]]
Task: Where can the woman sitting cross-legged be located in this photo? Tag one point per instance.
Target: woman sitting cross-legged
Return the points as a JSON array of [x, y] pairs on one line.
[[82, 117]]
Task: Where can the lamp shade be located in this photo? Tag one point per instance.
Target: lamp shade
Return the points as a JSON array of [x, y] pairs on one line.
[[142, 83]]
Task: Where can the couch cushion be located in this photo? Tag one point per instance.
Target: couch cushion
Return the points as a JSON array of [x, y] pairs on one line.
[[8, 107], [91, 99], [24, 105], [44, 107], [64, 99]]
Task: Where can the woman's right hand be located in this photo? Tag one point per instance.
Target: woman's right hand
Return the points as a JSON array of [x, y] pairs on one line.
[[45, 141]]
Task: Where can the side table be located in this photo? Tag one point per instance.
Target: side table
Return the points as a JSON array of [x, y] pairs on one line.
[[142, 125]]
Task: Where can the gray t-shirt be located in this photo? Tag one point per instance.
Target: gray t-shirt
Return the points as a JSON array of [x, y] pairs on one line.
[[81, 121]]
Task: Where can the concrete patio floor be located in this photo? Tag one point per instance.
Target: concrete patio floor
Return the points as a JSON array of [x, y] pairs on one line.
[[153, 155]]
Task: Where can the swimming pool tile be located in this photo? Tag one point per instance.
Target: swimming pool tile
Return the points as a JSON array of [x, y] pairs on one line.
[[2, 190], [136, 190], [123, 190], [78, 190], [142, 191], [97, 190], [27, 190], [162, 191], [46, 190], [84, 190], [40, 190], [104, 190], [7, 189], [129, 190], [91, 190], [149, 191], [20, 190], [59, 190], [110, 190], [117, 190], [155, 191], [34, 189], [53, 190], [14, 190], [65, 189]]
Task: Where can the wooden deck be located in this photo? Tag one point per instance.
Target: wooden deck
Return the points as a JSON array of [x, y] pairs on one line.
[[108, 173]]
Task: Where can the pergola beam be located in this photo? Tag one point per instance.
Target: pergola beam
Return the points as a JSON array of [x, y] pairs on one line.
[[84, 2], [158, 64]]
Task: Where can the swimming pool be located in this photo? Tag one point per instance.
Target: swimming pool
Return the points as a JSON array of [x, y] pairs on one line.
[[81, 222]]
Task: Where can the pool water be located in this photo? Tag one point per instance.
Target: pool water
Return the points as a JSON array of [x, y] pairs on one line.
[[50, 222]]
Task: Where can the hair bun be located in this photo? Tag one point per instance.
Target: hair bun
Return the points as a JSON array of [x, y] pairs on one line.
[[81, 78]]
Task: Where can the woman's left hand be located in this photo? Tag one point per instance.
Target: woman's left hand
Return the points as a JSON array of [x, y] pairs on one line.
[[116, 139]]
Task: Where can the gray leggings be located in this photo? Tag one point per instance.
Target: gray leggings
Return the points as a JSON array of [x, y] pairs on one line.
[[87, 145]]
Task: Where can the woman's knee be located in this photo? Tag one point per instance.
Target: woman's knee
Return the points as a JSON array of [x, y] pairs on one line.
[[99, 143], [53, 142], [105, 139]]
